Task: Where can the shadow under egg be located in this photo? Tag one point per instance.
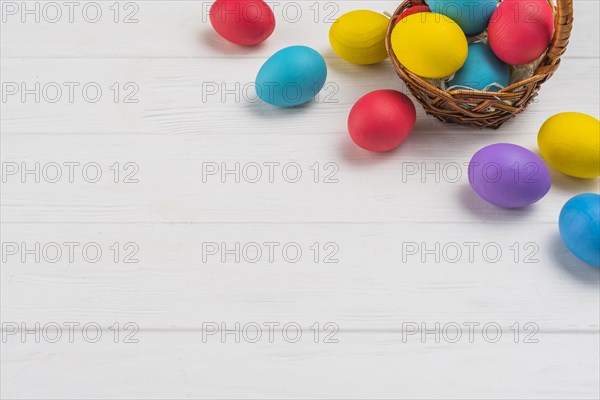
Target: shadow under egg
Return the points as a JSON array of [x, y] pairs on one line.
[[581, 271], [215, 42]]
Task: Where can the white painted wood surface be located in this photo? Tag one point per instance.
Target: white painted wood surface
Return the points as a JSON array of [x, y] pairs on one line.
[[367, 214]]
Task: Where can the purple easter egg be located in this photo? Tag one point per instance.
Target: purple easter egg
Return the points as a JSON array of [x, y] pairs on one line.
[[508, 175]]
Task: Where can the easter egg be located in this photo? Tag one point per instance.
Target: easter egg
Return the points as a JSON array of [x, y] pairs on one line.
[[570, 142], [359, 37], [380, 121], [429, 45], [482, 68], [508, 175], [579, 225], [520, 31], [471, 15], [412, 10], [291, 77], [244, 22]]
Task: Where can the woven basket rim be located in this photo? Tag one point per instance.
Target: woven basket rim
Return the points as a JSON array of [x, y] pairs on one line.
[[521, 92]]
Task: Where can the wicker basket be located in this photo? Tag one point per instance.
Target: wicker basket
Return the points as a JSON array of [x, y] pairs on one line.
[[486, 109]]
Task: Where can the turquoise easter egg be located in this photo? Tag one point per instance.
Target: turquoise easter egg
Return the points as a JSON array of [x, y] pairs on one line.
[[471, 15], [579, 225], [481, 69], [291, 77]]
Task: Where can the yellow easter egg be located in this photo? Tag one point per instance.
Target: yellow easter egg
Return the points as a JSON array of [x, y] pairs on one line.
[[429, 45], [570, 142], [359, 37]]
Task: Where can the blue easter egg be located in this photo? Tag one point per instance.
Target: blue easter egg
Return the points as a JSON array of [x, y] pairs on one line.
[[579, 225], [291, 77], [471, 15], [481, 69]]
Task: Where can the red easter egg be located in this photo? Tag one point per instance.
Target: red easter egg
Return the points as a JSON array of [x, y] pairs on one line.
[[411, 11], [244, 22], [381, 120], [521, 30]]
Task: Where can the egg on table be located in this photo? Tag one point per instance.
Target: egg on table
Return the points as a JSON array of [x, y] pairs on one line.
[[359, 37], [570, 142], [291, 77], [382, 120], [244, 22], [520, 31], [508, 175], [481, 70], [471, 15], [579, 225], [429, 45]]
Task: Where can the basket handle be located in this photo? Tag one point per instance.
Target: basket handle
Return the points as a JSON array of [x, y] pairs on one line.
[[562, 32]]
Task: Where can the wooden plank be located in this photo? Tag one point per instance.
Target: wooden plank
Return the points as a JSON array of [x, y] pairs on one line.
[[373, 276], [169, 97], [180, 365], [181, 29], [290, 179]]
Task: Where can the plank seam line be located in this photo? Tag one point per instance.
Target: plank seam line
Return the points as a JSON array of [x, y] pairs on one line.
[[359, 331], [227, 57], [257, 222]]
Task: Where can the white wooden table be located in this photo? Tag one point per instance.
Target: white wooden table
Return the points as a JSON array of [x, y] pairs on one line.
[[380, 261]]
